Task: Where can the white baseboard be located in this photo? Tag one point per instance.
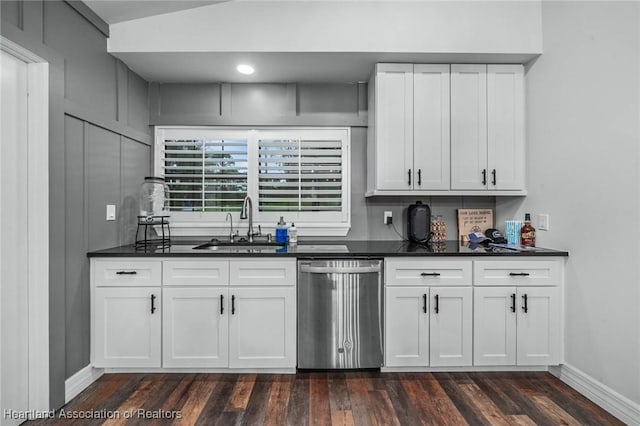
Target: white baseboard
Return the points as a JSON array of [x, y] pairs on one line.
[[80, 381], [620, 406]]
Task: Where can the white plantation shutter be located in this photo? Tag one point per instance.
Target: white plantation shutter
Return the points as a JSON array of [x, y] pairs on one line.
[[205, 174], [300, 175]]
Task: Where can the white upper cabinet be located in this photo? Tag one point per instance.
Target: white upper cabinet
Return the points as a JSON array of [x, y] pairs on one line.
[[505, 126], [440, 129], [468, 126], [431, 126], [487, 127], [394, 129]]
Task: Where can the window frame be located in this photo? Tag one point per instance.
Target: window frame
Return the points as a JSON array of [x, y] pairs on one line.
[[315, 223]]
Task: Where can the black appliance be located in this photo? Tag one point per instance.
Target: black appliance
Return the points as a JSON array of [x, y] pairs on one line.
[[419, 223]]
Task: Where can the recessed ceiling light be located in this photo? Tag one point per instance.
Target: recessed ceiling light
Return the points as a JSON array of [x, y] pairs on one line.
[[245, 69]]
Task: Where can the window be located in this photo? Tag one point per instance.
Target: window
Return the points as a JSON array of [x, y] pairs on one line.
[[301, 174]]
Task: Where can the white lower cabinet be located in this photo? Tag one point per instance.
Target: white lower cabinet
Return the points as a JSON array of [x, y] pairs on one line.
[[262, 327], [126, 327], [450, 326], [407, 327], [516, 326], [195, 327]]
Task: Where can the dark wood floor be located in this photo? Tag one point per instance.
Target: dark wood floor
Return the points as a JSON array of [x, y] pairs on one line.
[[339, 398]]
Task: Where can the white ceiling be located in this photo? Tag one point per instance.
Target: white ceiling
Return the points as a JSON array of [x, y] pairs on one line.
[[114, 11]]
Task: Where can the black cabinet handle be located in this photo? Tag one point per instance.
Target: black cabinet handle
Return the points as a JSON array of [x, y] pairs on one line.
[[519, 274], [513, 302], [525, 308], [493, 178], [430, 274], [153, 303], [437, 307], [233, 305], [484, 176], [424, 303], [221, 304], [419, 177], [409, 174], [126, 272]]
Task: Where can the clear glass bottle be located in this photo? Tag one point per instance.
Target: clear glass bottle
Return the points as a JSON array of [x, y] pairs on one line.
[[154, 197]]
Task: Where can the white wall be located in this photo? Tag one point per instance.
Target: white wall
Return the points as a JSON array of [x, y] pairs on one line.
[[338, 26], [583, 118]]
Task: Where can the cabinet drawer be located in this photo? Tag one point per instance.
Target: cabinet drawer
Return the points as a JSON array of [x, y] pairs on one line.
[[127, 273], [195, 272], [405, 272], [260, 272], [516, 272]]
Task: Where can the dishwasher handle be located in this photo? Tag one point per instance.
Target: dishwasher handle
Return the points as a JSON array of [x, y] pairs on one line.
[[339, 269]]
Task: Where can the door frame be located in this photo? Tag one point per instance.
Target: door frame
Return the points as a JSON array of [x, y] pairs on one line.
[[38, 219]]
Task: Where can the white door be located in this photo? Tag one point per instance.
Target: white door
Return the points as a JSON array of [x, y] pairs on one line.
[[195, 324], [394, 126], [505, 126], [407, 326], [450, 326], [538, 326], [14, 321], [262, 327], [494, 326], [127, 327], [469, 127], [431, 125]]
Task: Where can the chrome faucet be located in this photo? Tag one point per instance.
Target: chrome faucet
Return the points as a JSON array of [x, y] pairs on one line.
[[230, 217], [248, 204]]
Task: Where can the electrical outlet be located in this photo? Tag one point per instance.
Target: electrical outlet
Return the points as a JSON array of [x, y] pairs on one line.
[[543, 222], [388, 218], [111, 212]]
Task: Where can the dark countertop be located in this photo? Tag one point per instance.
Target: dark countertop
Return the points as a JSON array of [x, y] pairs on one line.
[[325, 249]]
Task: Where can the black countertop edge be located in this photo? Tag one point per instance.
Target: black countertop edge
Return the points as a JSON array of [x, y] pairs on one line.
[[330, 249]]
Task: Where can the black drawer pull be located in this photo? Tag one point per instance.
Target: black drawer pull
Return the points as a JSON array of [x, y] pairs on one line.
[[424, 303], [525, 308], [430, 274], [513, 302], [126, 272], [233, 304], [221, 304], [153, 303], [437, 307], [519, 274]]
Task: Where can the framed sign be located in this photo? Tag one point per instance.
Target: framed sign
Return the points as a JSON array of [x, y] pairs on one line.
[[473, 220]]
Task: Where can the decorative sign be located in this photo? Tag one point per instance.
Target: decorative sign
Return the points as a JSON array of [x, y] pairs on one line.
[[473, 220]]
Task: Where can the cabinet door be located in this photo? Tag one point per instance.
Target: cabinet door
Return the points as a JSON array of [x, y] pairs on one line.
[[505, 126], [469, 127], [126, 328], [406, 326], [394, 126], [195, 327], [450, 326], [538, 326], [262, 327], [431, 126], [494, 326]]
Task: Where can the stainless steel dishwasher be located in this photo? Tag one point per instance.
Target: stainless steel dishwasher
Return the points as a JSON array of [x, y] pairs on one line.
[[339, 314]]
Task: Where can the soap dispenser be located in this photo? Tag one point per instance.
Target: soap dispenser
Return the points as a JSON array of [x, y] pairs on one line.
[[281, 231]]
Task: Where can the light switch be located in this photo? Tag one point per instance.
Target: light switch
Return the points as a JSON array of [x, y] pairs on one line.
[[543, 222], [111, 212]]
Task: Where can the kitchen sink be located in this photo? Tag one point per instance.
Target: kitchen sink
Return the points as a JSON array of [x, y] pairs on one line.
[[240, 246]]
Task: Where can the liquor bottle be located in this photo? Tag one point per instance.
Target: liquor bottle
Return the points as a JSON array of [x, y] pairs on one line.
[[527, 233]]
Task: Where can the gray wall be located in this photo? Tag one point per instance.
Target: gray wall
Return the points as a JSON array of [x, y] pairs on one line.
[[583, 107], [99, 152], [303, 105]]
